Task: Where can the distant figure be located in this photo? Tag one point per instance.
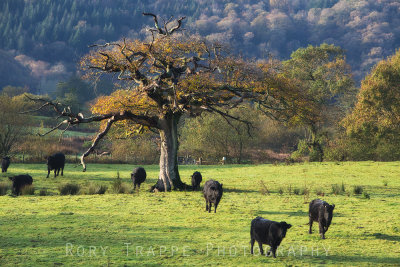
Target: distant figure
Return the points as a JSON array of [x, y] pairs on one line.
[[267, 232], [56, 162], [138, 176], [19, 182], [196, 180], [212, 192], [321, 212], [5, 163], [223, 160]]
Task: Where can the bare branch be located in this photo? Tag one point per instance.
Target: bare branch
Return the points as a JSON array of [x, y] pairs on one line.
[[53, 129], [178, 26], [97, 140], [160, 31]]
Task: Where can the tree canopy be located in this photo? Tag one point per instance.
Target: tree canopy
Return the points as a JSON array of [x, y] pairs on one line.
[[377, 111]]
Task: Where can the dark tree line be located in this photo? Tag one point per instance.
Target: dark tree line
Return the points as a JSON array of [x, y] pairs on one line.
[[56, 30]]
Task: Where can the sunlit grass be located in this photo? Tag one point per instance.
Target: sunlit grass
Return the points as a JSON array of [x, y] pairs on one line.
[[174, 229]]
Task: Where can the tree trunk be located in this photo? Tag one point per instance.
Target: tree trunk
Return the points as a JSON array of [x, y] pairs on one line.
[[169, 175]]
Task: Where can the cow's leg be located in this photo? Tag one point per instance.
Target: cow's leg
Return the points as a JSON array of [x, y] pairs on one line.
[[58, 171], [48, 172], [215, 207], [134, 186], [273, 249], [251, 245], [62, 171], [209, 207], [206, 205], [55, 173], [261, 249], [321, 230], [310, 223], [269, 252]]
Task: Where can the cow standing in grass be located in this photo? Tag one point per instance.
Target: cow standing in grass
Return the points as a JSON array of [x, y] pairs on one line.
[[56, 162], [267, 232], [138, 176], [321, 212], [19, 182], [5, 163], [212, 192], [196, 180]]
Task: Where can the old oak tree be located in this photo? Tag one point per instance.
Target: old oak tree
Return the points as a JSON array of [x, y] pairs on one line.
[[171, 73]]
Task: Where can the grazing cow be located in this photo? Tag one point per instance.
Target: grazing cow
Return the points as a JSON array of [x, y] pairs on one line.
[[321, 212], [19, 182], [196, 180], [56, 162], [138, 176], [212, 192], [267, 232], [5, 163]]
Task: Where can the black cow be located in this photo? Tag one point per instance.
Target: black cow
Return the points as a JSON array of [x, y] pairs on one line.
[[19, 182], [212, 192], [321, 212], [138, 176], [196, 180], [267, 232], [56, 162], [5, 163]]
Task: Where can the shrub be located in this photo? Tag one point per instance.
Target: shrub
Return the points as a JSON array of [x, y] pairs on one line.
[[69, 189], [43, 192], [119, 187], [319, 191], [263, 188], [290, 189], [343, 188], [366, 195], [336, 189], [357, 189], [280, 191], [305, 191], [28, 190], [385, 182], [4, 188], [296, 191], [96, 189]]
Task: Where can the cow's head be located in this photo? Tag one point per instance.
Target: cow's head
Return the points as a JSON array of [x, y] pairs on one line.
[[50, 159], [284, 227], [328, 213], [6, 158]]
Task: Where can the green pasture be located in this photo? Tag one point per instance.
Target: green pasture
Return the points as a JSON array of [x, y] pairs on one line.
[[152, 229]]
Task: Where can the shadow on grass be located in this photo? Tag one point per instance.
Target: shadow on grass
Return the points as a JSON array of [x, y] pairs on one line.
[[236, 190], [387, 237], [289, 213], [353, 260]]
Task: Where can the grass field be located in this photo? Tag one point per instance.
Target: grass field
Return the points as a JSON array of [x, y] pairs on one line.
[[173, 228]]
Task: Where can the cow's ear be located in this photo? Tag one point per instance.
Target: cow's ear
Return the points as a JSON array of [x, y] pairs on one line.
[[333, 206], [222, 185], [288, 226]]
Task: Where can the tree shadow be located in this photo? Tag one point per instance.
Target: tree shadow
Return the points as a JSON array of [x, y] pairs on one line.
[[387, 237], [370, 260], [236, 190], [288, 213]]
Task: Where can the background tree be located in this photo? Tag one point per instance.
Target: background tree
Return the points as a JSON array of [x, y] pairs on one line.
[[13, 126], [201, 139], [375, 119], [326, 78], [171, 74]]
